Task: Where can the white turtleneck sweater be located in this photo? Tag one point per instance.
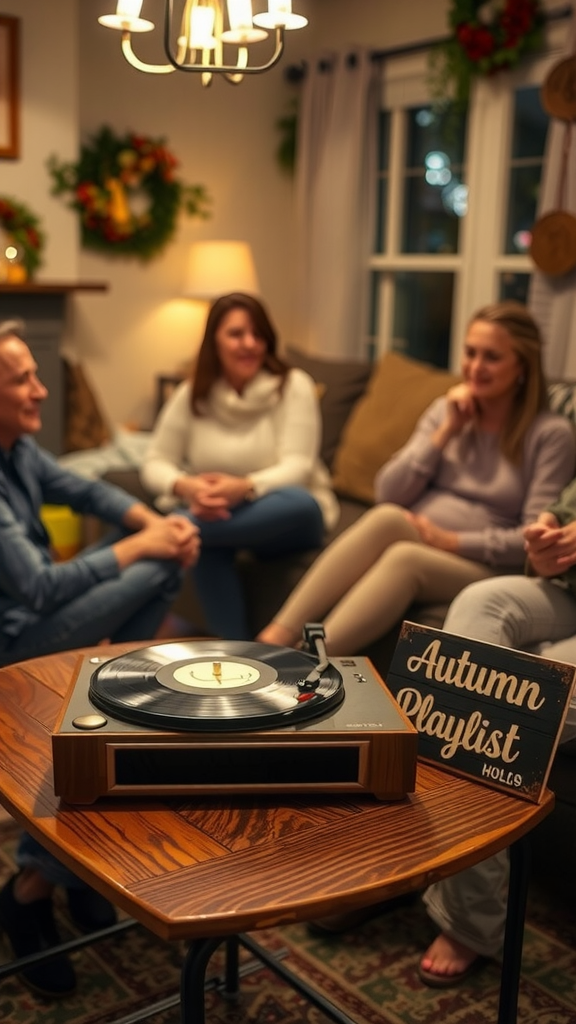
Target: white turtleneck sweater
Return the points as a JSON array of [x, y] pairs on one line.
[[271, 435]]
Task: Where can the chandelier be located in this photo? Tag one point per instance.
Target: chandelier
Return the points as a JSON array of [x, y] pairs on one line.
[[197, 42]]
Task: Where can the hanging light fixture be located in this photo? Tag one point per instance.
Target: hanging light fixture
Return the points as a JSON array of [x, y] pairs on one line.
[[198, 43]]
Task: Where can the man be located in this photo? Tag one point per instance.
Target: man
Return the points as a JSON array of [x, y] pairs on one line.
[[530, 614], [119, 589]]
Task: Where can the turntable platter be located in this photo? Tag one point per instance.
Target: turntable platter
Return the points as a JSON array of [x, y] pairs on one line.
[[215, 685]]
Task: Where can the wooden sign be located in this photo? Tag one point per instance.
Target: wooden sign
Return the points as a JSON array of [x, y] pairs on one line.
[[484, 711]]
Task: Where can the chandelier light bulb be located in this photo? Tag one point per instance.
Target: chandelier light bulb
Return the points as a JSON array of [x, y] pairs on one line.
[[241, 29], [127, 17], [280, 15], [129, 8], [202, 28], [240, 14]]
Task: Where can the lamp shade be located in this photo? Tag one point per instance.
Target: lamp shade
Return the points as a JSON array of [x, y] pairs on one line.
[[216, 268]]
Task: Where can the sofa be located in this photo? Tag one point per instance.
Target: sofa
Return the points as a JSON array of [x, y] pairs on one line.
[[367, 414]]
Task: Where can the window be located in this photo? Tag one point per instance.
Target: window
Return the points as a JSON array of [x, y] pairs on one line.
[[456, 199]]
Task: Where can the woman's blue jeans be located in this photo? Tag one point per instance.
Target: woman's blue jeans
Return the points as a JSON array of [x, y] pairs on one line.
[[281, 522]]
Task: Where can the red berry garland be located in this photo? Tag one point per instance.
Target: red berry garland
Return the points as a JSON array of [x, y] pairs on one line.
[[487, 36]]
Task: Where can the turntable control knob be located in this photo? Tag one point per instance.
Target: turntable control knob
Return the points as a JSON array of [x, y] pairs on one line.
[[359, 677], [88, 722]]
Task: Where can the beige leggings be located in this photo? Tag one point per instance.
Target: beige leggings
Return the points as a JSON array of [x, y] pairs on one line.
[[364, 582]]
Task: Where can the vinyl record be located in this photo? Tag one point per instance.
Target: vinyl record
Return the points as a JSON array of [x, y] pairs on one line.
[[215, 686]]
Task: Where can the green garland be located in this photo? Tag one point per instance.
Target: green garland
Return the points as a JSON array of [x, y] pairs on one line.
[[487, 36], [126, 193], [23, 228], [287, 128]]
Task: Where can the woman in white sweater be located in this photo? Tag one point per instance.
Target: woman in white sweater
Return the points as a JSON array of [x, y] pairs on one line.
[[238, 446]]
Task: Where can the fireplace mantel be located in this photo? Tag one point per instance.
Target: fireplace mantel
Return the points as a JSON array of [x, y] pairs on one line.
[[52, 287]]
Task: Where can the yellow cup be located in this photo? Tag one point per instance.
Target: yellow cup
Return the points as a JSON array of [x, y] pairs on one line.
[[64, 529]]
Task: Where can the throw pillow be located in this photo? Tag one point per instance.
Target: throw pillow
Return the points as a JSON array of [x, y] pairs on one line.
[[399, 391], [84, 424], [339, 386]]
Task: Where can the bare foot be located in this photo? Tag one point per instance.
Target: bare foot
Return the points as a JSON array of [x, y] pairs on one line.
[[447, 958], [276, 634]]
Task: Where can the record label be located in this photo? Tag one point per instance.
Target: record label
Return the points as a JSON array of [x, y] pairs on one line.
[[215, 686], [196, 675]]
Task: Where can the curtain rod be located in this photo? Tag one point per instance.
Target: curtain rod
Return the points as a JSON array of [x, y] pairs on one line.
[[295, 72]]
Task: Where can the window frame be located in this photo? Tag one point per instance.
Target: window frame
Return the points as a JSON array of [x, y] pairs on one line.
[[481, 260]]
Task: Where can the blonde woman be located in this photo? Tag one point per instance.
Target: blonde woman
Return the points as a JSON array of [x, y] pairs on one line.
[[482, 463]]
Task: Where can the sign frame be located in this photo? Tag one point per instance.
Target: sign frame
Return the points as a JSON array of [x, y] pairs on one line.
[[490, 713]]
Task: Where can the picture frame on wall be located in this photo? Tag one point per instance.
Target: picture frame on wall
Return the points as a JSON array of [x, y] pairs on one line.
[[9, 87]]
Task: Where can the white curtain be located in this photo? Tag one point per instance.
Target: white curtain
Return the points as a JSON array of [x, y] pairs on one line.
[[335, 191], [552, 300]]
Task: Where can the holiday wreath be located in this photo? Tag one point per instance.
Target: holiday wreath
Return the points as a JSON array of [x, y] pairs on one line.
[[126, 192], [22, 230], [487, 36]]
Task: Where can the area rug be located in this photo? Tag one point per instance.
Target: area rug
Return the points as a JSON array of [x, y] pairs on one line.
[[370, 974]]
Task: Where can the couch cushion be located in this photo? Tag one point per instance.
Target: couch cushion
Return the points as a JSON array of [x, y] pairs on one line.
[[562, 398], [340, 387], [399, 391]]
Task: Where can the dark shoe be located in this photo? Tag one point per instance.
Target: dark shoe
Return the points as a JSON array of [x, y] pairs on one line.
[[89, 910], [339, 923], [31, 928]]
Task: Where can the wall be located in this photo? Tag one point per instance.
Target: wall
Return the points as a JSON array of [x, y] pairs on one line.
[[75, 80], [49, 121], [225, 138]]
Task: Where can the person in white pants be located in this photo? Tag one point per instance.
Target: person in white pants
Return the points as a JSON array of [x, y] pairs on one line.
[[527, 613]]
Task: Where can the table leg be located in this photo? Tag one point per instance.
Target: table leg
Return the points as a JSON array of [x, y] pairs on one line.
[[193, 979], [514, 934], [232, 974]]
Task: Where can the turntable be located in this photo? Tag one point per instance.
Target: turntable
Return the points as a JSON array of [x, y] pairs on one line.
[[214, 716]]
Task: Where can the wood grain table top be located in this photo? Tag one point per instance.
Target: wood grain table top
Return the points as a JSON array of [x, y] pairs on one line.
[[203, 867]]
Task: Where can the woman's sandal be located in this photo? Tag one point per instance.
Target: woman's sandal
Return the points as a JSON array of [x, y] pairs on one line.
[[434, 980], [443, 949]]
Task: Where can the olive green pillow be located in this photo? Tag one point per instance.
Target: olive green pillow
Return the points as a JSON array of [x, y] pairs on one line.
[[399, 391]]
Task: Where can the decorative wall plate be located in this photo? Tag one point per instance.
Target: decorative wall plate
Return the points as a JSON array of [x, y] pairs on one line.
[[553, 246], [558, 94]]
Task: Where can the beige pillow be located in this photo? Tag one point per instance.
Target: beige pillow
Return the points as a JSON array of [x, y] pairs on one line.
[[399, 391]]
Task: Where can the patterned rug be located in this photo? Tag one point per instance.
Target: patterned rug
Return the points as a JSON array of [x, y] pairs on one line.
[[370, 974]]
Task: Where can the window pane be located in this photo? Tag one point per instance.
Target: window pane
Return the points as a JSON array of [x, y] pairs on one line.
[[514, 286], [435, 196], [383, 175], [528, 141], [530, 124], [422, 316], [373, 316]]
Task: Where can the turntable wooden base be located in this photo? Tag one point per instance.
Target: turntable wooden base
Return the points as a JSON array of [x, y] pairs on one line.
[[366, 744]]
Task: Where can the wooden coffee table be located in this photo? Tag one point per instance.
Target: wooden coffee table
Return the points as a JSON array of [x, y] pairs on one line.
[[206, 869]]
